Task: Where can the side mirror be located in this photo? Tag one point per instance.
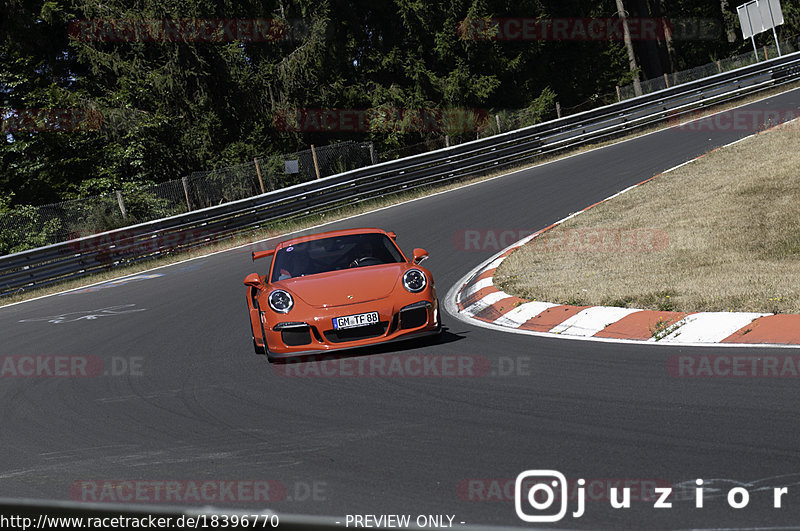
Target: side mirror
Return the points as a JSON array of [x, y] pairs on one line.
[[253, 280], [420, 255], [392, 235]]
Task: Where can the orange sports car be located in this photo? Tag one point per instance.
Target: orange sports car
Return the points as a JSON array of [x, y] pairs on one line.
[[339, 290]]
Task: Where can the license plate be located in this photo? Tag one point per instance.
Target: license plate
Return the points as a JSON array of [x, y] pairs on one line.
[[353, 321]]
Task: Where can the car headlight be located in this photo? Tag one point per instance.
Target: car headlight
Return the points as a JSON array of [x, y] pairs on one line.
[[280, 301], [414, 280]]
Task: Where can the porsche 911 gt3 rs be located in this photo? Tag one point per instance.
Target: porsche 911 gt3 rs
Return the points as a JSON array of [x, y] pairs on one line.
[[340, 290]]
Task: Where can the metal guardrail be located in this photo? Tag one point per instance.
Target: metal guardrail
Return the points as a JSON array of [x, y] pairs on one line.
[[91, 254]]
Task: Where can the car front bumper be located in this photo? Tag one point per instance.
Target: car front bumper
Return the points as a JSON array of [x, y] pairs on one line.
[[315, 334]]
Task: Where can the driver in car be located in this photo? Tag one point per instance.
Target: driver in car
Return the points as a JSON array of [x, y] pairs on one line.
[[370, 252]]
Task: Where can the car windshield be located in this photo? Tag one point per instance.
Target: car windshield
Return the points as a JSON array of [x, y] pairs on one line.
[[332, 254]]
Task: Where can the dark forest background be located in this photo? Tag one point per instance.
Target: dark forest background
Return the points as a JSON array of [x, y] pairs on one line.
[[170, 108]]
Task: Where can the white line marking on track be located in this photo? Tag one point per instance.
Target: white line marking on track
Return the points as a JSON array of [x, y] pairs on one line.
[[592, 320], [523, 313], [476, 287], [709, 327], [496, 263], [486, 302]]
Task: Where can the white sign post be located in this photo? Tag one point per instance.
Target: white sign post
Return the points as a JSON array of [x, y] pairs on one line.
[[758, 16]]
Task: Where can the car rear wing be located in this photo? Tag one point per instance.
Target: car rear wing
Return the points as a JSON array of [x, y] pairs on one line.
[[262, 254]]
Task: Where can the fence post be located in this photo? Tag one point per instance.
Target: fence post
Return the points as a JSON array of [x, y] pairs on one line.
[[258, 172], [314, 156], [185, 182], [372, 156], [558, 109], [121, 203], [619, 94], [497, 119], [766, 54]]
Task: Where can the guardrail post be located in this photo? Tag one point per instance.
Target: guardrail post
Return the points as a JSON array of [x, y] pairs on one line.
[[314, 156], [719, 66], [258, 172], [446, 140], [497, 119], [619, 94], [666, 79], [121, 203], [558, 109]]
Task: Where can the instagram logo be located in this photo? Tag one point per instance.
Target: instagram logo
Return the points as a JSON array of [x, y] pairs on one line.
[[534, 495]]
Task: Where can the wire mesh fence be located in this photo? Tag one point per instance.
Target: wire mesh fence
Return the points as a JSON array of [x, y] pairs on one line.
[[508, 120], [414, 149], [27, 227], [789, 45]]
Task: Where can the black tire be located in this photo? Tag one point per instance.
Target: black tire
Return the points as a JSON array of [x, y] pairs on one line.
[[437, 338], [259, 349]]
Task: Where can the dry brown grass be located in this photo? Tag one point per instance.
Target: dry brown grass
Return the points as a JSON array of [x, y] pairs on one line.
[[719, 234]]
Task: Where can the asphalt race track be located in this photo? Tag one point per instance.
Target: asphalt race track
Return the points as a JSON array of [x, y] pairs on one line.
[[173, 391]]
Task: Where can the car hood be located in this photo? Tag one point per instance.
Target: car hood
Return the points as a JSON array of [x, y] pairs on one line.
[[350, 286]]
